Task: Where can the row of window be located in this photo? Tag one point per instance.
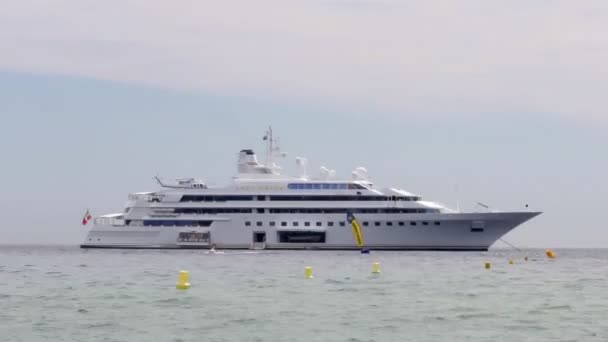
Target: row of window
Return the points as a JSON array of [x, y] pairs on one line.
[[221, 198], [305, 210], [214, 210], [342, 198], [343, 223], [207, 223], [325, 186], [351, 210], [169, 223], [214, 198]]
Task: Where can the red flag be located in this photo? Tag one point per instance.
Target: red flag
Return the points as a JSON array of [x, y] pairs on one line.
[[86, 218]]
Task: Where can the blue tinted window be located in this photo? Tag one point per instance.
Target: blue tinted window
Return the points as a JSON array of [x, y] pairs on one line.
[[307, 186], [334, 186], [326, 186], [343, 186], [160, 223], [292, 186], [316, 186]]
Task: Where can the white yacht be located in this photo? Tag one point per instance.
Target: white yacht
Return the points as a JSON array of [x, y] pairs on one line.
[[264, 209]]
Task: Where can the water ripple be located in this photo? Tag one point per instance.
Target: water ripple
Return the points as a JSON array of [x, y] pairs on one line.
[[105, 295]]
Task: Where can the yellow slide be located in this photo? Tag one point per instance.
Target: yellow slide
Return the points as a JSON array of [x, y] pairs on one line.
[[356, 229]]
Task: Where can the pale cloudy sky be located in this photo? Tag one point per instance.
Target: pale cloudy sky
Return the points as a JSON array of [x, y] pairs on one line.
[[543, 56], [503, 100]]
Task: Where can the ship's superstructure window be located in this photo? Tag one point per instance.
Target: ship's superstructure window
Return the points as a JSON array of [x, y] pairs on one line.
[[389, 223], [319, 224], [295, 224], [342, 223], [259, 223], [365, 223], [324, 186], [272, 223], [412, 223], [401, 223], [330, 224], [305, 211], [213, 210], [215, 198], [341, 198], [425, 223], [261, 198], [283, 224], [437, 223], [248, 223], [353, 210], [476, 230], [177, 223], [376, 223], [307, 224]]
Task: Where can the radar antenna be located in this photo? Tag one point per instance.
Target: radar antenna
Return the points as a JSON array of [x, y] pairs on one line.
[[272, 149]]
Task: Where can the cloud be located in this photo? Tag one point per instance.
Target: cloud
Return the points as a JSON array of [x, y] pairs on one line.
[[401, 57]]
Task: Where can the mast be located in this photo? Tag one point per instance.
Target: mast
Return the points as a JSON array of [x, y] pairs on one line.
[[272, 148], [269, 147]]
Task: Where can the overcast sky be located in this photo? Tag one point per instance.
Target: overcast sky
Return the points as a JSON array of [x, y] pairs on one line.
[[500, 102]]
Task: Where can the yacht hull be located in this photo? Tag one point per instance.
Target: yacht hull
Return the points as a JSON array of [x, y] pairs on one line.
[[432, 232]]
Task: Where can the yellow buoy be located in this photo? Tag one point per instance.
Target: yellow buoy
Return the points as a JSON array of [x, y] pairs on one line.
[[550, 254], [308, 272], [183, 280], [510, 262], [487, 265], [376, 268]]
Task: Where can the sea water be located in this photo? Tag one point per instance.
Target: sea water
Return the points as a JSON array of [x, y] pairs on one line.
[[70, 294]]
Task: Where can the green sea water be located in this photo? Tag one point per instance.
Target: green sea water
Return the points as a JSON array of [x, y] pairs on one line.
[[69, 294]]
